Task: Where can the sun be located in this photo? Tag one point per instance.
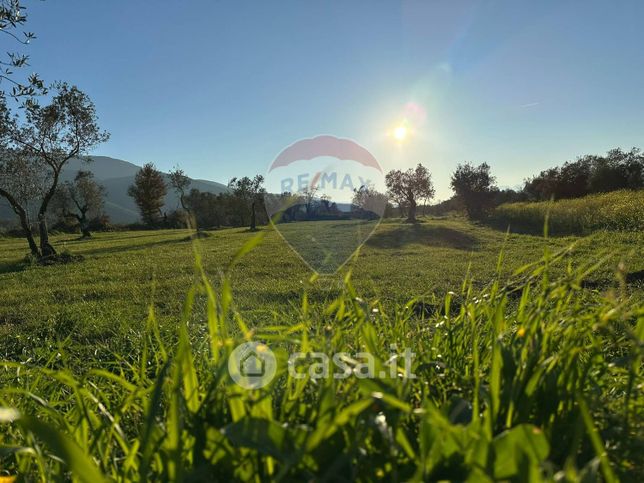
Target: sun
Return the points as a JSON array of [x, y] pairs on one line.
[[401, 133]]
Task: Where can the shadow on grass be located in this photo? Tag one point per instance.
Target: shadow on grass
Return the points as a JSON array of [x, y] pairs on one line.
[[422, 234], [134, 247], [13, 267], [633, 279], [535, 229], [62, 258], [20, 265], [112, 236]]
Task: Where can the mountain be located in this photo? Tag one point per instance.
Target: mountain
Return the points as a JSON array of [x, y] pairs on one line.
[[117, 175]]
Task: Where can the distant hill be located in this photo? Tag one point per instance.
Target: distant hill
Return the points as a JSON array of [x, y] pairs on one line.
[[117, 175]]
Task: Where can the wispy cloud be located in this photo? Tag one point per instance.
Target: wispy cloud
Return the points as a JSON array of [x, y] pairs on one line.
[[445, 67], [530, 104]]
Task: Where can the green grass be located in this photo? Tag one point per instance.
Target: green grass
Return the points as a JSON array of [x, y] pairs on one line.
[[114, 285], [617, 210], [116, 365], [326, 245]]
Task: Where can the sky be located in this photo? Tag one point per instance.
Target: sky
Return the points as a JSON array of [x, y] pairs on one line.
[[221, 87]]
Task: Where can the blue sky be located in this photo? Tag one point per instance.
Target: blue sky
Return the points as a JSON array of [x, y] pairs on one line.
[[220, 87]]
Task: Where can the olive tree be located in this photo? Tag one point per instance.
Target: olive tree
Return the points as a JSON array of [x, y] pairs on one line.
[[20, 185], [475, 187], [81, 199], [41, 142], [180, 183], [249, 193], [409, 187]]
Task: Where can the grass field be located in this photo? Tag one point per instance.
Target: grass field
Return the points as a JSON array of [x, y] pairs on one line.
[[617, 210], [523, 376], [126, 271]]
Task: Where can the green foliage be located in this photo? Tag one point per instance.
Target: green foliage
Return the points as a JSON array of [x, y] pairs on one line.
[[248, 194], [12, 18], [618, 210], [589, 174], [528, 377], [408, 188], [36, 145], [474, 187], [82, 199], [149, 190]]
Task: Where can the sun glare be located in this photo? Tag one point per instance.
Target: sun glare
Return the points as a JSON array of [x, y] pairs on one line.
[[401, 133]]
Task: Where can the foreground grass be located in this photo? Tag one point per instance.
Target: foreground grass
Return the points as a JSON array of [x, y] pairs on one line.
[[617, 210], [531, 375]]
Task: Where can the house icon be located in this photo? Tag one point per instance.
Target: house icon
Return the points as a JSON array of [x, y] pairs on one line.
[[252, 365]]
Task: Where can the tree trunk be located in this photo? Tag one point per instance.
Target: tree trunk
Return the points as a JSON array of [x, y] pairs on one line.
[[29, 234], [182, 201], [411, 213], [24, 222], [46, 250], [84, 226], [189, 219], [253, 218]]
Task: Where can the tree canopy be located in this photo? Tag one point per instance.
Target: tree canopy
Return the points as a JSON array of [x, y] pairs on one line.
[[80, 199], [475, 187], [407, 188], [249, 193], [35, 148], [589, 174], [149, 190]]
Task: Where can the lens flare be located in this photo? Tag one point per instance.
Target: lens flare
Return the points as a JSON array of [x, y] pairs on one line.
[[401, 133]]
